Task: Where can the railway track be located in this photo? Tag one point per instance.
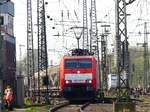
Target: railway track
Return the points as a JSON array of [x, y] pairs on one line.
[[70, 107], [96, 106]]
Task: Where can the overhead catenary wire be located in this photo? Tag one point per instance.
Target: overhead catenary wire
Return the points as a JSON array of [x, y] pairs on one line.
[[70, 16]]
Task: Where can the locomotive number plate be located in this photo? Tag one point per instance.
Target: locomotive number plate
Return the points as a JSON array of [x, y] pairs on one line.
[[78, 81]]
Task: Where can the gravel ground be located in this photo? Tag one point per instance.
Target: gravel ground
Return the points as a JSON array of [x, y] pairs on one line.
[[143, 106], [99, 108], [140, 107], [70, 108]]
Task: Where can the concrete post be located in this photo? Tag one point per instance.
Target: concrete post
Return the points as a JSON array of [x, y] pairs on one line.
[[20, 90]]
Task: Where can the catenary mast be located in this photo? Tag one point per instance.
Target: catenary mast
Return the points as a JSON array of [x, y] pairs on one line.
[[42, 43], [30, 51], [85, 26], [94, 42], [122, 49], [146, 57], [93, 29]]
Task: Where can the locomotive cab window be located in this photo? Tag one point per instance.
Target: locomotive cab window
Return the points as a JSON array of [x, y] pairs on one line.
[[78, 63]]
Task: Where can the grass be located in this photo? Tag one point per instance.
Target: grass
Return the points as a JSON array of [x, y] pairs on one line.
[[31, 106], [38, 109]]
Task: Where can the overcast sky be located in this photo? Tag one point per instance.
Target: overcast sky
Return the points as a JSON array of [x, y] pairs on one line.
[[105, 12]]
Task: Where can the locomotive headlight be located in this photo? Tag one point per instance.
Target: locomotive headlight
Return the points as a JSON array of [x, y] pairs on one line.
[[67, 82], [90, 81]]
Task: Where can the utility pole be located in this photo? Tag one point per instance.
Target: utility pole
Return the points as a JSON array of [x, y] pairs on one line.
[[123, 97], [42, 44], [30, 50]]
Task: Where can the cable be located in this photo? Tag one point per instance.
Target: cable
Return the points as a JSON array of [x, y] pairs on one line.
[[65, 6], [130, 2], [70, 14]]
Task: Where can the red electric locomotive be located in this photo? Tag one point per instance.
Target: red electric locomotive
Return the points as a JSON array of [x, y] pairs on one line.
[[79, 76]]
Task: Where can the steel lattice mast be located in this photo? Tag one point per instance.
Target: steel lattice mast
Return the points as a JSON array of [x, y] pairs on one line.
[[85, 26], [30, 51], [94, 46], [121, 32], [42, 42], [104, 67], [93, 30], [146, 57], [122, 49]]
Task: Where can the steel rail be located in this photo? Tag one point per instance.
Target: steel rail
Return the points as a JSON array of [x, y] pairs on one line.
[[65, 104], [61, 105], [84, 106]]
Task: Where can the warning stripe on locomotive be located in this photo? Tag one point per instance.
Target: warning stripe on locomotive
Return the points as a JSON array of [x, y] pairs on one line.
[[78, 77]]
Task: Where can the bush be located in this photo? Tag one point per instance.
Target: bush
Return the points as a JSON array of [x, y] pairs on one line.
[[28, 101]]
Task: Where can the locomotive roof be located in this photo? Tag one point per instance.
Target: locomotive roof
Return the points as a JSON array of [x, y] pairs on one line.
[[78, 57]]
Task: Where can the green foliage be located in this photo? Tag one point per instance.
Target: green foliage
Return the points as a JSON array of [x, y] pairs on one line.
[[38, 109], [136, 57], [32, 109], [28, 101]]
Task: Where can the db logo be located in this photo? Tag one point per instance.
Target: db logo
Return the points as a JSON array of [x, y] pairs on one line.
[[78, 72]]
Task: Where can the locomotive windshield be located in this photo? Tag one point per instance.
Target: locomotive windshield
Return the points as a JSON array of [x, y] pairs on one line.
[[78, 63]]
